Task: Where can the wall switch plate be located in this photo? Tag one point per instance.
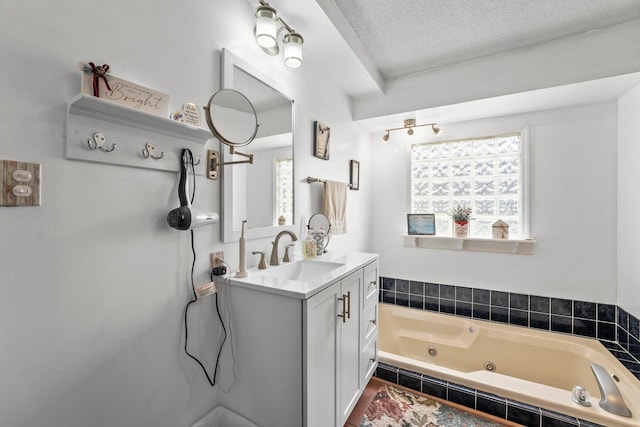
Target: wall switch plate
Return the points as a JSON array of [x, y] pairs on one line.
[[19, 183], [216, 259]]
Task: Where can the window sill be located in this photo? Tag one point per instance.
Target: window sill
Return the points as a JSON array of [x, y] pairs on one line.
[[506, 246]]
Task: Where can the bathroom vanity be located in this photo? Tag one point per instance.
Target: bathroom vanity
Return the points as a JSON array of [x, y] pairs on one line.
[[305, 336]]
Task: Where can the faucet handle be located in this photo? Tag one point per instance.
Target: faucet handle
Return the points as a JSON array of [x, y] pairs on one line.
[[263, 261], [287, 258]]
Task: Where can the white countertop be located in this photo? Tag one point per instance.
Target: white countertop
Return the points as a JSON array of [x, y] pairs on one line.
[[260, 280]]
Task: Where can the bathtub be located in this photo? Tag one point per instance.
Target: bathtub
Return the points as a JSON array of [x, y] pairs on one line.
[[531, 366]]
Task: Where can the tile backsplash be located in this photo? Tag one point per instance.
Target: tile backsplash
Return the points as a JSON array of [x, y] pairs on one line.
[[618, 330]]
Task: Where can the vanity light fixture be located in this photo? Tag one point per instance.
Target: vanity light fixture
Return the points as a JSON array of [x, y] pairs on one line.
[[409, 124], [269, 26]]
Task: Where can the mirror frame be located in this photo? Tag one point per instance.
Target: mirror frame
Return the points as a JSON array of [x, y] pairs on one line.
[[228, 62]]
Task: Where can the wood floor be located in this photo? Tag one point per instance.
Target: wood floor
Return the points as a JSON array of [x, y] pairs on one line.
[[370, 392]]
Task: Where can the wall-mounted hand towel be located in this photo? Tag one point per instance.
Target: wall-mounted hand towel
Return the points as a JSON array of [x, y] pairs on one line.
[[335, 205]]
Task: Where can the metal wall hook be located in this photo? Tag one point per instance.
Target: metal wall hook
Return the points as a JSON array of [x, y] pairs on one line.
[[98, 141], [149, 151]]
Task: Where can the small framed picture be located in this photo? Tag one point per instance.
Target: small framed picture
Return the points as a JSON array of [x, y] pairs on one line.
[[354, 174], [321, 140], [421, 224]]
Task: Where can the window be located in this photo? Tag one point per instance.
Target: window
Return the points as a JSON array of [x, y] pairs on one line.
[[484, 173], [284, 190]]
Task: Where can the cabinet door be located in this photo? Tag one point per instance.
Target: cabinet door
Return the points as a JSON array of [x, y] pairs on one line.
[[321, 348], [350, 346]]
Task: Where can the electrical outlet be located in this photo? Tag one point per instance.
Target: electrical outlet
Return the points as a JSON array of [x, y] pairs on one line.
[[216, 259], [19, 183]]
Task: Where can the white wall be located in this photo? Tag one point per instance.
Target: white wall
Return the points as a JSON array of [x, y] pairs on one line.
[[629, 202], [94, 283], [573, 204]]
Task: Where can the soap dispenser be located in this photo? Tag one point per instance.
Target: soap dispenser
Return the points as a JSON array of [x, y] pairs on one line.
[[309, 247]]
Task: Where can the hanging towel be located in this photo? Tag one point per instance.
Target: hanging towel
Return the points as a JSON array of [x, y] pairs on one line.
[[335, 205]]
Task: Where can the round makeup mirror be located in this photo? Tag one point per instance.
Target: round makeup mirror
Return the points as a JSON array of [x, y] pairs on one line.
[[231, 118], [319, 227]]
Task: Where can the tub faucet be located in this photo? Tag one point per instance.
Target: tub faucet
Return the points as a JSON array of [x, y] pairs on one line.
[[274, 251], [611, 399]]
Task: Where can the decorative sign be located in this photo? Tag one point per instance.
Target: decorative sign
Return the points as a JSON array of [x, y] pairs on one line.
[[500, 230], [127, 93], [321, 140], [190, 114]]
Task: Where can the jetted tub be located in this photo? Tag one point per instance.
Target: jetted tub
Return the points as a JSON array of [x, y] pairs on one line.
[[535, 367]]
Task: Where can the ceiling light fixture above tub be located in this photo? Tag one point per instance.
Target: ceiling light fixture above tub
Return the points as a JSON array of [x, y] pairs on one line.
[[267, 33], [409, 124]]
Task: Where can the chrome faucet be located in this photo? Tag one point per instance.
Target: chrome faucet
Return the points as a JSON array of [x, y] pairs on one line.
[[274, 251], [610, 397]]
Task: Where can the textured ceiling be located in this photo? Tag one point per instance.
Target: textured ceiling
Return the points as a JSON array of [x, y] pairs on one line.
[[403, 37]]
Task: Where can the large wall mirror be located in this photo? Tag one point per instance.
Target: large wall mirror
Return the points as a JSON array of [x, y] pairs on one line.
[[262, 192]]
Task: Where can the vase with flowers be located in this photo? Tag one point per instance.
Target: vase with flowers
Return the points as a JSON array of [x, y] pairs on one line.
[[461, 216]]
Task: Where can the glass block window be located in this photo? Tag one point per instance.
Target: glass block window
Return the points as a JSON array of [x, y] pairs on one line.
[[284, 190], [485, 174]]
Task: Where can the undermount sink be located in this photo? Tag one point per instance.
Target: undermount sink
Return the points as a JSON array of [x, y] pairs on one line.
[[302, 271]]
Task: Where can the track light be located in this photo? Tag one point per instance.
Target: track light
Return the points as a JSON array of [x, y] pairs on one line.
[[409, 124], [267, 33]]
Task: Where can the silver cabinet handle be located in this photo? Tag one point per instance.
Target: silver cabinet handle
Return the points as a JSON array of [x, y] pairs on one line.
[[344, 306], [349, 305]]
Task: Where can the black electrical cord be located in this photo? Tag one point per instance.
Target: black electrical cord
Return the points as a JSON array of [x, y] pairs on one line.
[[212, 381]]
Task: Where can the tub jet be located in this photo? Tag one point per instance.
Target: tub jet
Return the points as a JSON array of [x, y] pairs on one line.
[[490, 366]]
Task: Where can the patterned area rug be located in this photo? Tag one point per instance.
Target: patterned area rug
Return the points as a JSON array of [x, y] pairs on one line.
[[393, 407]]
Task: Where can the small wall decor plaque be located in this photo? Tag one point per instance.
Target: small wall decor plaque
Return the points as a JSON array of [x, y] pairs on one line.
[[421, 224], [321, 140], [189, 114], [119, 91], [354, 174]]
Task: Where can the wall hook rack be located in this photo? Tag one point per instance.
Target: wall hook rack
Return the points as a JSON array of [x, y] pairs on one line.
[[98, 143], [149, 151]]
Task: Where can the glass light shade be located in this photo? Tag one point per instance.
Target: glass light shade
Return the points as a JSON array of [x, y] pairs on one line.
[[293, 50], [266, 26]]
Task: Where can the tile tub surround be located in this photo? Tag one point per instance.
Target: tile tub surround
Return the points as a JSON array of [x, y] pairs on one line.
[[508, 409], [614, 327]]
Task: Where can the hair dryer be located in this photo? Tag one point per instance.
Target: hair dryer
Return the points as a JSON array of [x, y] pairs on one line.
[[185, 217]]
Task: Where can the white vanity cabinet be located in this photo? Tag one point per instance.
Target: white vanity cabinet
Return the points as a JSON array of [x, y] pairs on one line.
[[340, 356], [304, 359], [332, 348]]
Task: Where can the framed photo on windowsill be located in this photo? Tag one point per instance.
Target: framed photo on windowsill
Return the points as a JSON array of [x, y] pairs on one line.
[[421, 224]]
